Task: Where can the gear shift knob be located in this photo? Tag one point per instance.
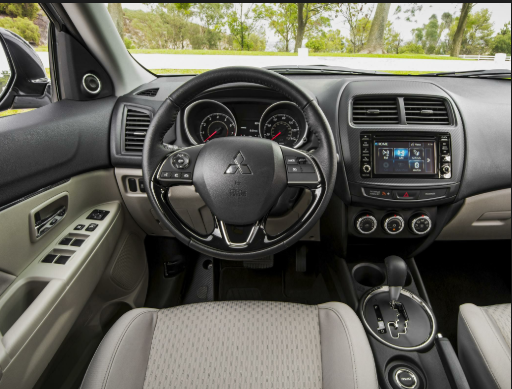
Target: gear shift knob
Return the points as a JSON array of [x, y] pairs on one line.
[[396, 270]]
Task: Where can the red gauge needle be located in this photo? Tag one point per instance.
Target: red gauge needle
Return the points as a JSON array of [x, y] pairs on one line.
[[211, 136], [275, 136]]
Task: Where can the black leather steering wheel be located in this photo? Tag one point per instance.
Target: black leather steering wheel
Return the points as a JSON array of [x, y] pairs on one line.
[[239, 178]]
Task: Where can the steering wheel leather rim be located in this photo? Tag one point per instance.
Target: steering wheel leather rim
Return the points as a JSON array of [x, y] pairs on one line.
[[155, 151]]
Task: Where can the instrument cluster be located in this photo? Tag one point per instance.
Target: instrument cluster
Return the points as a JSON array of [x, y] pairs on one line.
[[282, 122]]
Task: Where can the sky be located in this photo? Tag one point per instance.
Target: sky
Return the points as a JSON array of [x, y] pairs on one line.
[[500, 15]]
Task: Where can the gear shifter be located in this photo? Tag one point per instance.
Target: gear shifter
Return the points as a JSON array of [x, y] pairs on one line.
[[396, 270]]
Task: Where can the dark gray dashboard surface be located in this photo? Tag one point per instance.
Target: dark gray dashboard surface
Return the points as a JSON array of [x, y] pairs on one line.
[[484, 108], [55, 142]]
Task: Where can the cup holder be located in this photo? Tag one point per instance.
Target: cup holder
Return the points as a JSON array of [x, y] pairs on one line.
[[369, 275]]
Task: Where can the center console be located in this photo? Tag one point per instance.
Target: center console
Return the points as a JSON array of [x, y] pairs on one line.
[[403, 155]]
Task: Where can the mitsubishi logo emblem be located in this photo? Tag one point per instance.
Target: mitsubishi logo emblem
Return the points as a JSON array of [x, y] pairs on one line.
[[239, 166]]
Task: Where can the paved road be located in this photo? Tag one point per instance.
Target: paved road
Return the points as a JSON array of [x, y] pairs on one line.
[[192, 61]]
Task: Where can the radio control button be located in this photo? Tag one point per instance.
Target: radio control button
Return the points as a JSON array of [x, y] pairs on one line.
[[446, 169], [367, 168], [406, 194], [432, 194]]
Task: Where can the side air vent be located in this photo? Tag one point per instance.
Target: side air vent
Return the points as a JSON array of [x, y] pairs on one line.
[[135, 129], [425, 111], [148, 92], [378, 110]]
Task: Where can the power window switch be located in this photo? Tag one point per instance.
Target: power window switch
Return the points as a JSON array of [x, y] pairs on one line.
[[78, 242], [62, 259], [65, 241], [79, 227], [91, 227], [49, 258]]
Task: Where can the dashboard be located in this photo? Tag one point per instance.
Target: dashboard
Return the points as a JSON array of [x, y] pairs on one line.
[[282, 122], [410, 149]]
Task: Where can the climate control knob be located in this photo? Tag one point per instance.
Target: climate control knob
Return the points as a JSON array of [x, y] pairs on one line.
[[420, 224], [393, 224], [366, 224]]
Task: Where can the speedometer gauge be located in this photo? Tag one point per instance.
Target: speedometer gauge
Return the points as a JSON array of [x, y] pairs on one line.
[[282, 129], [284, 123], [216, 125]]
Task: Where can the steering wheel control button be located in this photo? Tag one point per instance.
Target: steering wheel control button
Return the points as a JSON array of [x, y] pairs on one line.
[[420, 224], [406, 194], [366, 224], [393, 224], [180, 160], [176, 175], [98, 214], [186, 176], [91, 227], [406, 379], [79, 227], [291, 160]]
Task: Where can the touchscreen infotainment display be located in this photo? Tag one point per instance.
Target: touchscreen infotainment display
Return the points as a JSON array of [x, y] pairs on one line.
[[404, 157]]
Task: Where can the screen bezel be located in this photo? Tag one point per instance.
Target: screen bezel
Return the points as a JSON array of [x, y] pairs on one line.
[[409, 140]]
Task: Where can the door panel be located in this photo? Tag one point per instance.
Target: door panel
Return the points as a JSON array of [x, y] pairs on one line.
[[52, 279]]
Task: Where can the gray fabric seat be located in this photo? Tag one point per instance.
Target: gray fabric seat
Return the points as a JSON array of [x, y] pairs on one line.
[[484, 345], [239, 344]]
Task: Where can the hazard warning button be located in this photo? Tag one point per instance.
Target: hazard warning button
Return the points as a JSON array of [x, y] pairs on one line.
[[406, 194]]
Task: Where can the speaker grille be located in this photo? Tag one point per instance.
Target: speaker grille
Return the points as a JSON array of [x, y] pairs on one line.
[[129, 266]]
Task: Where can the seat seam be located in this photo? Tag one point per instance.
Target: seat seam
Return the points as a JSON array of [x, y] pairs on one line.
[[480, 350], [116, 348], [354, 368], [488, 318], [320, 336], [149, 356]]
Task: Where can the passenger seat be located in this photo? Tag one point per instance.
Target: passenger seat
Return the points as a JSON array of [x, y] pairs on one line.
[[484, 345]]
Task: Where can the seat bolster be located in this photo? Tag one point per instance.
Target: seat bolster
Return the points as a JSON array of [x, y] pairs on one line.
[[347, 359], [483, 351], [122, 357]]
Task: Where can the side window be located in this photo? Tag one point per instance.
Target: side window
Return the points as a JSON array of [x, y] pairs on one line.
[[23, 50]]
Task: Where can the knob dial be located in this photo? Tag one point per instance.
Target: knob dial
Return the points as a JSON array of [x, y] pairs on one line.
[[366, 224], [446, 169], [420, 224], [394, 224], [367, 168]]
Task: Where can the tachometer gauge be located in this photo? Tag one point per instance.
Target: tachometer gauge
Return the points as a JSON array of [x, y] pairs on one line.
[[216, 125], [284, 123], [282, 129]]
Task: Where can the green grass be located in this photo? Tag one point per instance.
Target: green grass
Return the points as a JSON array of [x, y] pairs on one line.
[[199, 71], [281, 54], [10, 112]]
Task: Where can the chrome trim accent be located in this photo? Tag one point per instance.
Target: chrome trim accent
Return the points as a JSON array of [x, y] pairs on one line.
[[402, 370], [366, 217], [185, 117], [304, 138], [394, 217], [395, 323], [243, 245], [418, 218], [412, 296], [87, 89]]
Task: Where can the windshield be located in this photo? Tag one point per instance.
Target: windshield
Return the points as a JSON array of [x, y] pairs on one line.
[[408, 38]]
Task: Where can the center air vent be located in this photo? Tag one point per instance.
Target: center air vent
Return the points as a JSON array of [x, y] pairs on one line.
[[136, 126], [375, 110], [148, 92], [425, 111]]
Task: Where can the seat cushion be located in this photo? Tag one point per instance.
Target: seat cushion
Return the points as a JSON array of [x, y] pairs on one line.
[[239, 344], [484, 345]]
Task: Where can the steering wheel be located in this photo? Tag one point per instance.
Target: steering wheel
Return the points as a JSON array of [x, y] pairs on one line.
[[240, 179]]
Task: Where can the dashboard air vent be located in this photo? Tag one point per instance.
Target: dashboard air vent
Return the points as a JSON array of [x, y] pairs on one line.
[[375, 110], [425, 111], [137, 124], [148, 92]]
